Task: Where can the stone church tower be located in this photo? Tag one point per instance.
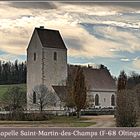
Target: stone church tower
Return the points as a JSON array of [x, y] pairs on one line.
[[46, 60]]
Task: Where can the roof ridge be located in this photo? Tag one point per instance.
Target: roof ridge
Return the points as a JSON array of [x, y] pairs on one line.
[[46, 29]]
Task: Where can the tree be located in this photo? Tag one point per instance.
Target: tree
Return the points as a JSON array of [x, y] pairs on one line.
[[69, 100], [125, 109], [137, 96], [133, 80], [12, 73], [15, 100], [102, 67], [122, 81], [42, 97], [79, 91], [89, 101]]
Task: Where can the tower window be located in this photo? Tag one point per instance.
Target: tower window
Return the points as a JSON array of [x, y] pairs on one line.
[[55, 56], [34, 56], [34, 97]]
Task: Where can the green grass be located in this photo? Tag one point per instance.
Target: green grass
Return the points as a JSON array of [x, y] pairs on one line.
[[4, 88], [57, 121], [64, 119], [82, 124], [72, 121]]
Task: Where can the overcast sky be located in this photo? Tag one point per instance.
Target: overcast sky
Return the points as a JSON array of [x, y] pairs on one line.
[[95, 33]]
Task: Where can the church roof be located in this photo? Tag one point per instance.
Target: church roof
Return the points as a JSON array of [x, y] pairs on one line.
[[99, 80], [50, 38], [96, 79], [61, 92]]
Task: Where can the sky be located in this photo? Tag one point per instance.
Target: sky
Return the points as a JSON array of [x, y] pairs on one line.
[[94, 33]]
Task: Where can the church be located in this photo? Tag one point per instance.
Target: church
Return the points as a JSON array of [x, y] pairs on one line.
[[47, 65]]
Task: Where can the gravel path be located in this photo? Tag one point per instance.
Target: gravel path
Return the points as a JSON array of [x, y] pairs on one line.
[[102, 120]]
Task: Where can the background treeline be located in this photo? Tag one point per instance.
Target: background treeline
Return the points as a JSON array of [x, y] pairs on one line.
[[12, 72], [15, 73], [133, 80]]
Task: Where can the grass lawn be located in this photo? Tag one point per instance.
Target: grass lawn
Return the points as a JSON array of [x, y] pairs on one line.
[[72, 121], [4, 88], [58, 121]]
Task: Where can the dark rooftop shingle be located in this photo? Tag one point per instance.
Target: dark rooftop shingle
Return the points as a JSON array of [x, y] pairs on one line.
[[96, 79], [61, 91], [50, 38]]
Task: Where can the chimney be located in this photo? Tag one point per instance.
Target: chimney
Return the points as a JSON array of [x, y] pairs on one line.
[[41, 27]]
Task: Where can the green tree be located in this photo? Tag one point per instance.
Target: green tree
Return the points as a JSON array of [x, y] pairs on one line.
[[122, 81], [15, 100], [125, 109], [12, 73], [133, 80], [79, 91], [69, 100]]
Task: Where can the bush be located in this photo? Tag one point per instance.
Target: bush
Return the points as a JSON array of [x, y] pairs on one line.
[[36, 116], [21, 116]]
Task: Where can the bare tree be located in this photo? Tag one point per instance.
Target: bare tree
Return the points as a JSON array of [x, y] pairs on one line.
[[79, 91], [42, 97]]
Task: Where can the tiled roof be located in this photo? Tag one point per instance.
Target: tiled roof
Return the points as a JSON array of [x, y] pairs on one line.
[[61, 92], [96, 79], [50, 38]]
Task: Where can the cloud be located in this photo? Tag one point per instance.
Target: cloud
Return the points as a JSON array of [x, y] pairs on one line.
[[136, 58], [112, 29], [14, 40], [136, 64], [113, 50], [125, 59], [130, 5], [84, 9], [33, 5], [9, 56], [120, 40], [87, 64], [74, 43], [7, 12], [89, 45]]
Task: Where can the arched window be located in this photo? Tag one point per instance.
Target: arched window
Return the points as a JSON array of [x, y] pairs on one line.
[[55, 56], [34, 97], [96, 99], [34, 56], [113, 100]]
